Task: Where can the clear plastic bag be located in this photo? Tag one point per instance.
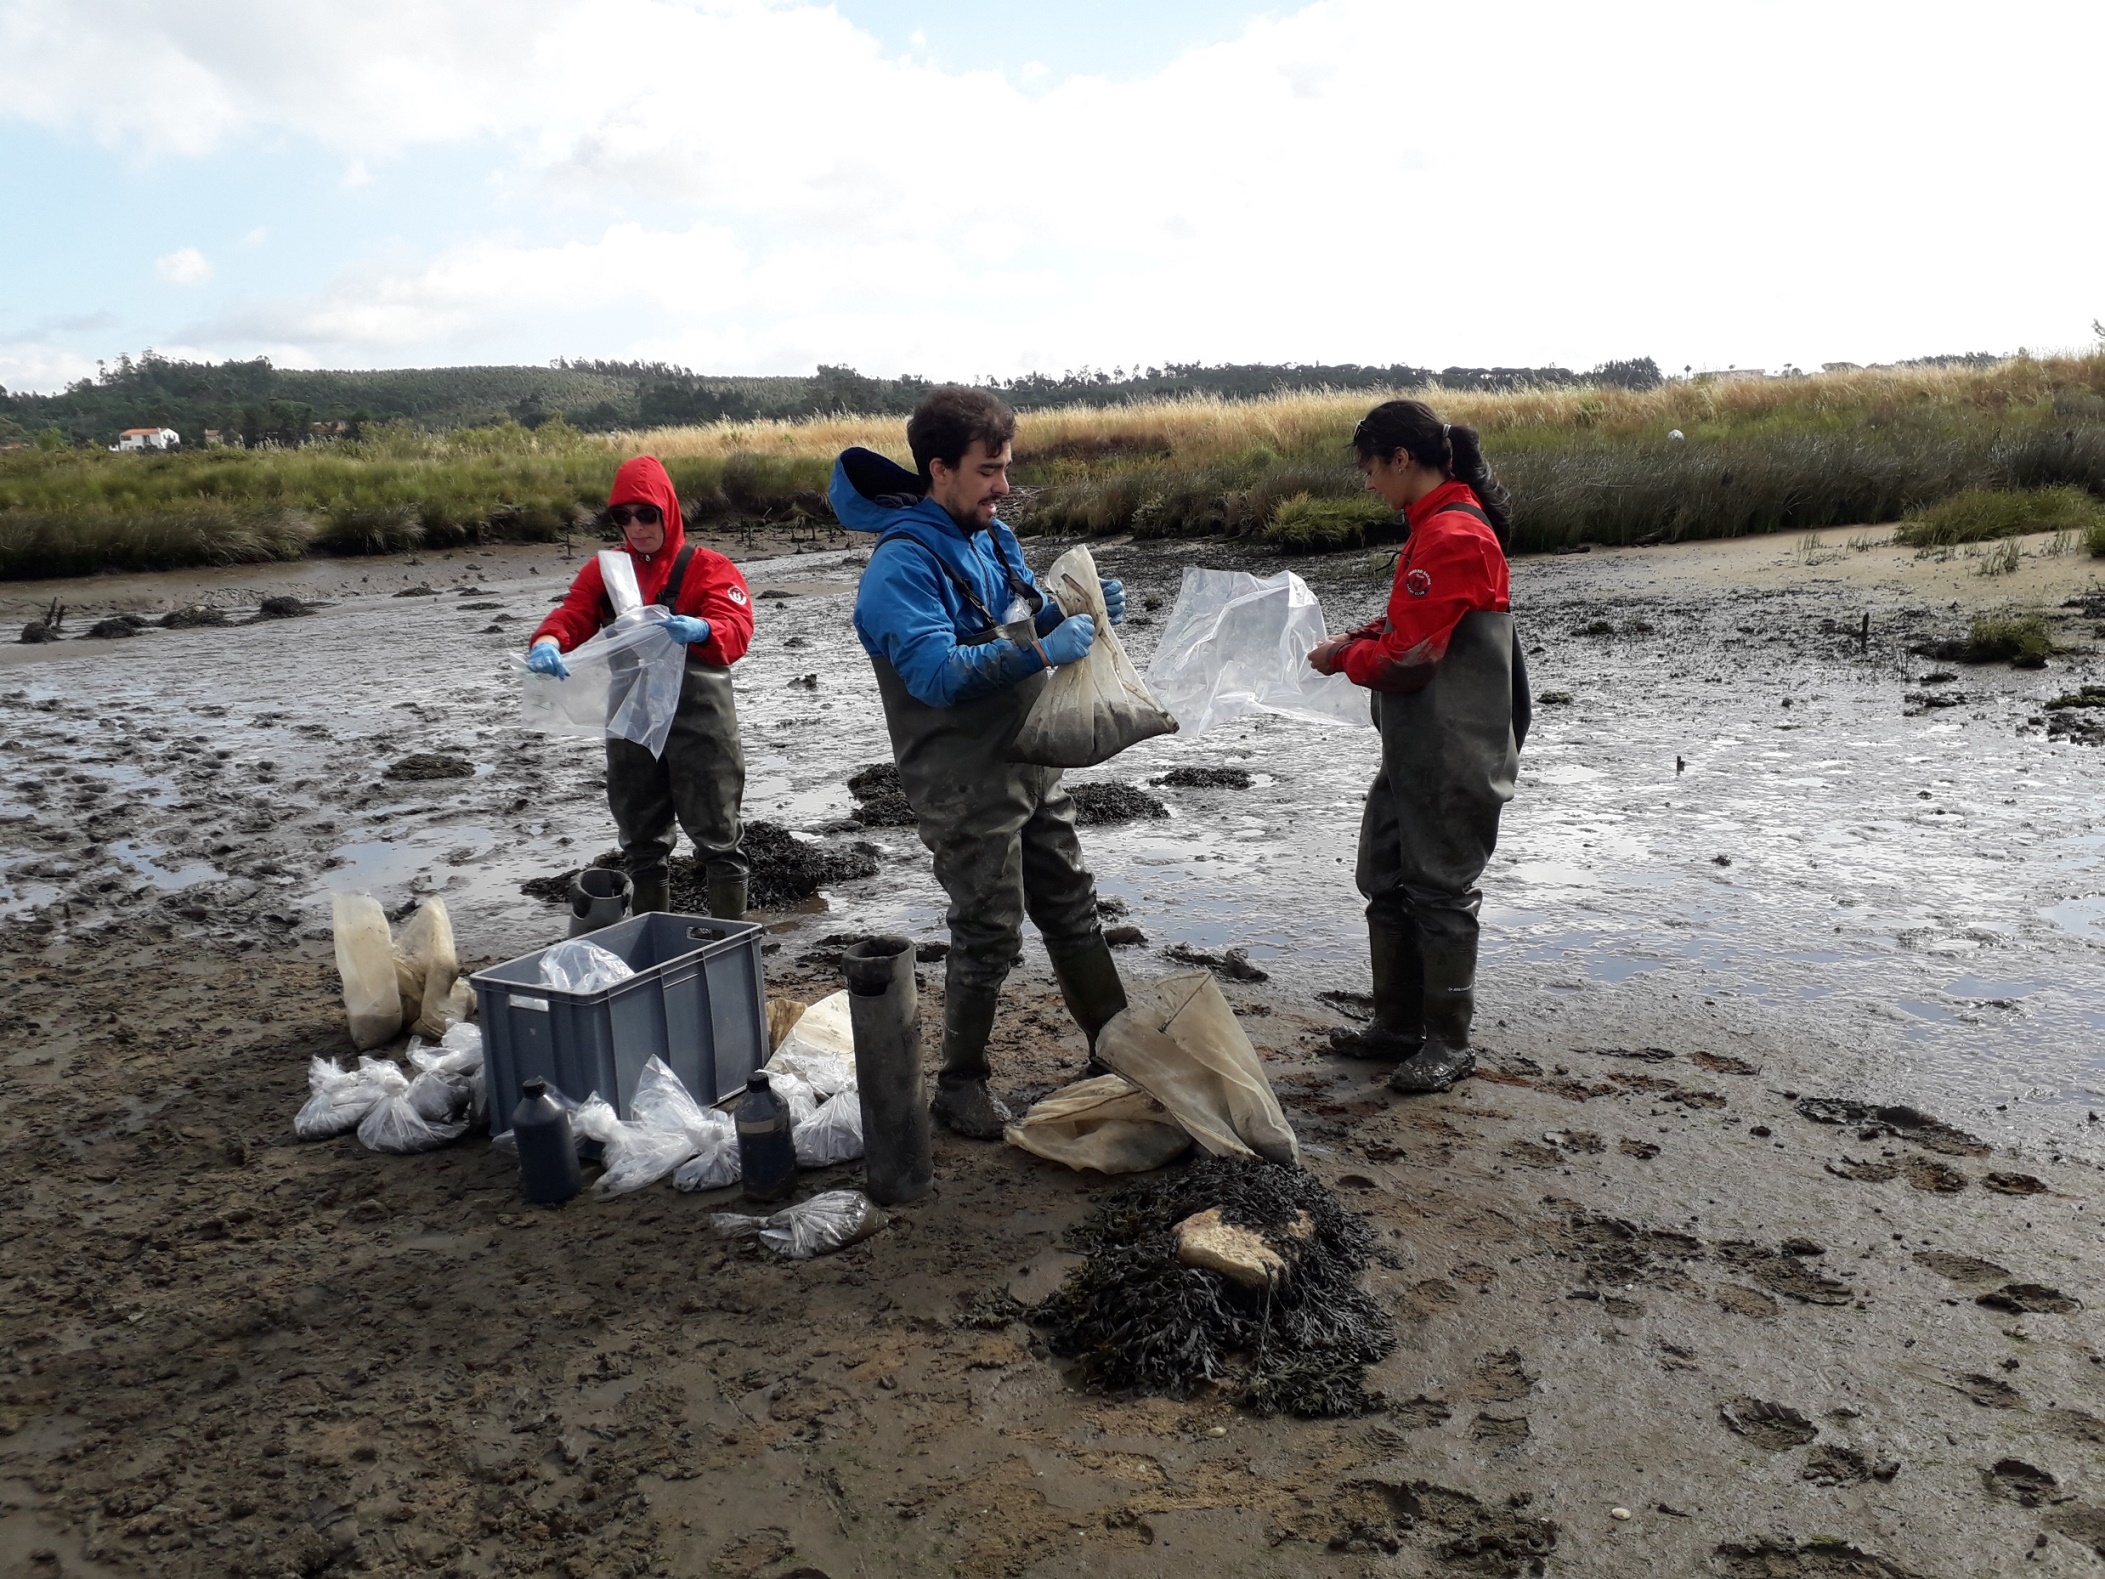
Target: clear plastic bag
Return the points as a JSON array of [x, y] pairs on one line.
[[365, 959], [617, 573], [1092, 709], [398, 1124], [810, 1228], [579, 965], [623, 682], [339, 1098], [458, 1062], [796, 1094], [820, 1048], [833, 1133], [1236, 645], [718, 1162], [632, 1155]]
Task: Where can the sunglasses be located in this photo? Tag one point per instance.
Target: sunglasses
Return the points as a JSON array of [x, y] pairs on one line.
[[641, 514]]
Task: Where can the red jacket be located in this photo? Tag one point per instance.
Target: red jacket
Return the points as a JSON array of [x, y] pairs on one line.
[[1450, 565], [712, 587]]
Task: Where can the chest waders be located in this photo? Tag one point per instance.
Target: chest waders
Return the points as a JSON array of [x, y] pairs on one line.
[[1449, 755], [697, 784], [1004, 846]]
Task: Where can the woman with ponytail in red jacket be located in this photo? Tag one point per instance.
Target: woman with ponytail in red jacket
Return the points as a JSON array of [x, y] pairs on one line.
[[700, 780], [1450, 696]]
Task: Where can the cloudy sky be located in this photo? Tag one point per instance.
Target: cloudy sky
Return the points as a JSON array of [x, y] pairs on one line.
[[969, 187]]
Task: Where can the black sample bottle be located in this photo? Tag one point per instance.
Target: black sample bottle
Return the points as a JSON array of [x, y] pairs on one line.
[[548, 1171], [765, 1150]]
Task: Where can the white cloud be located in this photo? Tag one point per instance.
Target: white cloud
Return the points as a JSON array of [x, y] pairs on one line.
[[37, 364], [256, 237], [355, 176], [184, 266], [1356, 180]]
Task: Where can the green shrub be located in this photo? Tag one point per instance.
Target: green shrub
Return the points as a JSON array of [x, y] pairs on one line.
[[1975, 515], [85, 538], [1306, 523], [2094, 538], [2020, 639], [352, 527]]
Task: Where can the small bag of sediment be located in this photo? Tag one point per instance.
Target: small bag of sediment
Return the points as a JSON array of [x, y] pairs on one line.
[[1092, 709]]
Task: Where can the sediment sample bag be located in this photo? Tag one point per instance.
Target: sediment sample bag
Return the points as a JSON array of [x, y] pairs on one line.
[[1178, 1040], [1107, 1123], [1088, 711], [1236, 645], [365, 959], [625, 682], [426, 966]]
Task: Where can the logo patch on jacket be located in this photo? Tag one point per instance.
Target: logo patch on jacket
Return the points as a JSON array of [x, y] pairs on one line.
[[738, 597], [1417, 583]]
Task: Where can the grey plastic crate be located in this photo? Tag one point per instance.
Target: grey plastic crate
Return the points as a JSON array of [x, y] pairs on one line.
[[697, 1001]]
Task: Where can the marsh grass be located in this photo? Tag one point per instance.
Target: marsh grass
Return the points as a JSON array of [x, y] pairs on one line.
[[1583, 465], [1977, 515], [2017, 637]]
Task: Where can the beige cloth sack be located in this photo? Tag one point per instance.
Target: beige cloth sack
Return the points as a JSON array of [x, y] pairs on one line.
[[1108, 1124], [1088, 711], [365, 959], [782, 1017], [426, 966], [1178, 1040]]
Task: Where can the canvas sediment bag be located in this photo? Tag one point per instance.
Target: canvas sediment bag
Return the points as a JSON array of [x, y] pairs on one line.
[[1090, 710]]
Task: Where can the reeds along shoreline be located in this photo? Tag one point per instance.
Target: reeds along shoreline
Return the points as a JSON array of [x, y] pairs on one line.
[[1583, 464]]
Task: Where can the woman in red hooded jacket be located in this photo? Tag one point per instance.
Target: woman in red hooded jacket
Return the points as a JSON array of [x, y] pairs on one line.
[[1450, 696], [700, 780]]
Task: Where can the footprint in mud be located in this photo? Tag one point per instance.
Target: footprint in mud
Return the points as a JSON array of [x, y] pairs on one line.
[[1774, 1427], [2078, 1425], [1500, 1431], [1468, 1536], [2030, 1299], [1417, 1415], [2013, 1480], [1960, 1269], [1784, 1273], [1907, 1123], [1831, 1464], [1988, 1392], [1502, 1378], [1936, 1177], [1644, 1150], [1723, 1064], [1530, 1155], [1815, 1559], [1583, 1141], [1863, 1172], [2014, 1184], [1649, 1055], [2079, 1523]]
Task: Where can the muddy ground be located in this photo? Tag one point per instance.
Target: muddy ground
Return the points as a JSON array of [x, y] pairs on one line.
[[1628, 1272]]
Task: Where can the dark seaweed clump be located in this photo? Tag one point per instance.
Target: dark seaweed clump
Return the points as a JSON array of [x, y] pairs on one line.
[[1111, 802], [1205, 778], [881, 797], [1133, 1317], [786, 870]]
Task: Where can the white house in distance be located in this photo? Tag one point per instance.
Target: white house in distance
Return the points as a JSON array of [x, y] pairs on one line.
[[147, 439]]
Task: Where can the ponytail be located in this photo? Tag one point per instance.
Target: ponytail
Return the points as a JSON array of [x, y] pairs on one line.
[[1450, 448]]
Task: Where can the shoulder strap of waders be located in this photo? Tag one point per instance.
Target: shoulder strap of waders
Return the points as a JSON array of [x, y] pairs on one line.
[[1459, 508], [670, 597], [964, 587]]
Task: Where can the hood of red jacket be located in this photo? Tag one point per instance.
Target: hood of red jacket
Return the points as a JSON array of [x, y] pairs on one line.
[[643, 481]]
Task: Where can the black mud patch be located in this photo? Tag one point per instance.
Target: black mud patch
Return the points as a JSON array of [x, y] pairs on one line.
[[1960, 1269], [785, 869], [1788, 1275], [425, 591], [1832, 1464], [1616, 1252], [1205, 778], [118, 627], [285, 608], [1096, 804], [1909, 1124], [2031, 1299], [1773, 1427], [431, 765], [191, 618], [1810, 1560], [1124, 936], [880, 797], [2013, 1480], [1461, 1534], [2014, 1184], [1231, 965], [1939, 1178], [1500, 1431], [1644, 1150]]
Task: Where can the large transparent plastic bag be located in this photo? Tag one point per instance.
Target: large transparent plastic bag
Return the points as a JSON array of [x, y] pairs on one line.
[[338, 1098], [1106, 1123], [623, 682], [576, 965], [404, 1121], [458, 1062], [1179, 1041], [833, 1133], [632, 1155], [1236, 645], [365, 959], [810, 1228], [1091, 710]]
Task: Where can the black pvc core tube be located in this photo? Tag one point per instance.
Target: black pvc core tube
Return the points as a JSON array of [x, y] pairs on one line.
[[884, 1007]]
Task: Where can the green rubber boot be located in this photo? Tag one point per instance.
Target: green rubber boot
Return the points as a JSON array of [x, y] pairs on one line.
[[1399, 1000], [964, 1101], [1094, 995], [1450, 1005]]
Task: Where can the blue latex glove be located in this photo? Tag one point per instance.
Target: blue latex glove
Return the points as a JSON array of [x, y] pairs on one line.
[[1071, 640], [1114, 600], [547, 658], [687, 629]]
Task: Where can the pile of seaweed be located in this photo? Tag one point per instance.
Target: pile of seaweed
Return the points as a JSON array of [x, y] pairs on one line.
[[1106, 800], [786, 870], [1134, 1317], [881, 796]]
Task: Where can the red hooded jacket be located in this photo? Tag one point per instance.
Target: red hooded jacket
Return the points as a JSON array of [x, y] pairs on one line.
[[712, 587], [1450, 565]]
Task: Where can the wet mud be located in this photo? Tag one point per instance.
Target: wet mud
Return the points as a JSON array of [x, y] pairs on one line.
[[229, 1352]]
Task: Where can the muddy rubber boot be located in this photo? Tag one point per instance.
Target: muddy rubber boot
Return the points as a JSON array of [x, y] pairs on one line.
[[1399, 1000], [964, 1101], [727, 898], [1093, 993], [1450, 1004], [650, 891]]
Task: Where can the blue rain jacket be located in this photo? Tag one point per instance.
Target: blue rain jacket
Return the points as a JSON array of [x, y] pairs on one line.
[[909, 611]]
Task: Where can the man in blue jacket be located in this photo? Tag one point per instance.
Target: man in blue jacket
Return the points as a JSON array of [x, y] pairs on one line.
[[961, 638]]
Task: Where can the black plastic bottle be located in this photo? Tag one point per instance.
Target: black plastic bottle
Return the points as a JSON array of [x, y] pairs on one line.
[[548, 1171], [765, 1150]]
